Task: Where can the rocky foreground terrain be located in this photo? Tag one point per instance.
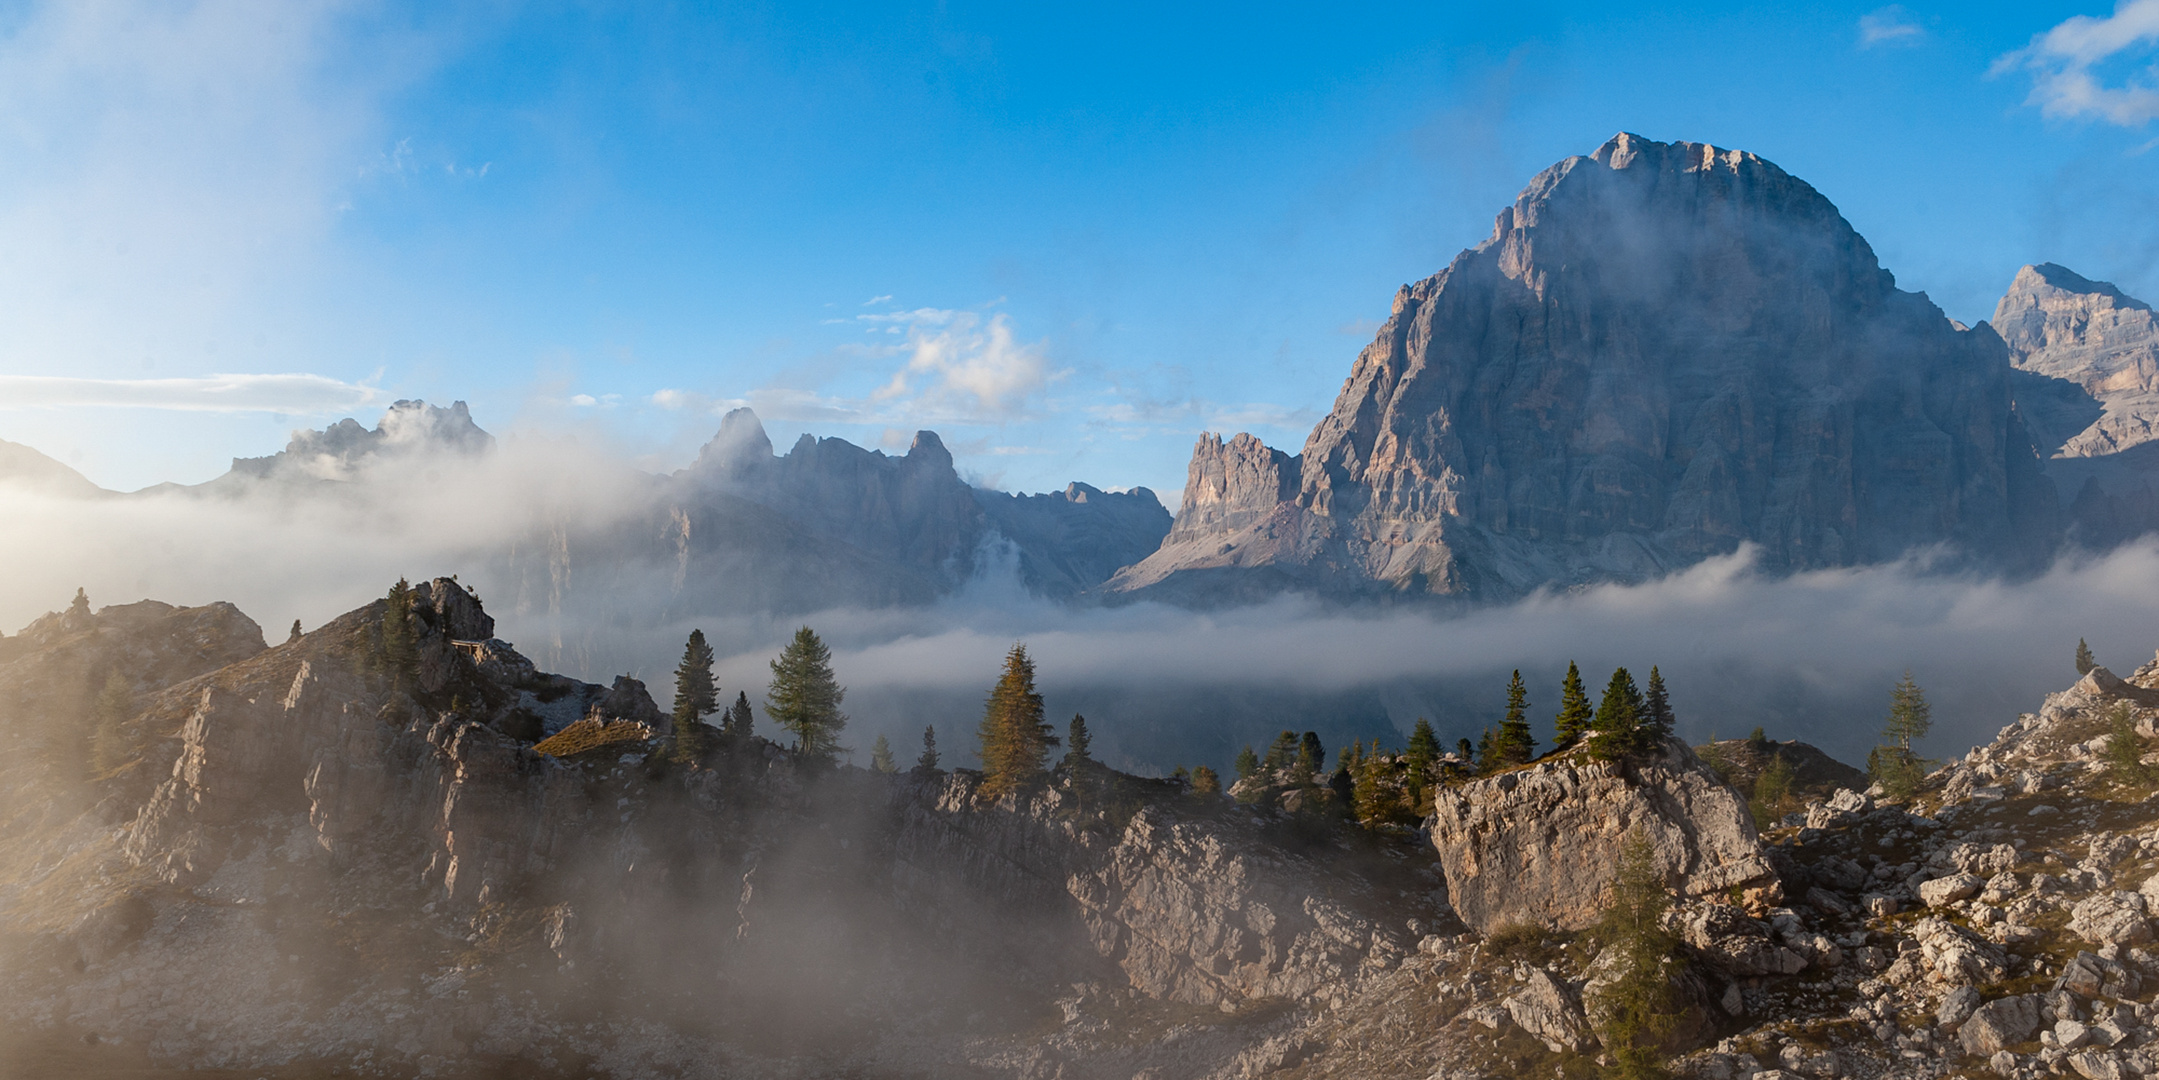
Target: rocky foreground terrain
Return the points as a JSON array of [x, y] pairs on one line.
[[289, 861]]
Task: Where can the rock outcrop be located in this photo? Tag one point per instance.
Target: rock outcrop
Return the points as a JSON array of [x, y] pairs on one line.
[[1663, 352], [1540, 845]]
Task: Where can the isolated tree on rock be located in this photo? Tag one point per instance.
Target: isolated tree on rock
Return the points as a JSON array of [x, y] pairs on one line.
[[295, 632], [2085, 663], [695, 698], [881, 756], [1015, 739], [1616, 730], [1893, 764], [805, 699], [1514, 744], [927, 763], [1574, 713]]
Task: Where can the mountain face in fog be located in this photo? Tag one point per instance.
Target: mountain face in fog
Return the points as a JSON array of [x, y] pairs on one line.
[[1664, 351]]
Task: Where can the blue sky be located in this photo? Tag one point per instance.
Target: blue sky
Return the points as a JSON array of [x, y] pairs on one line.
[[1070, 239]]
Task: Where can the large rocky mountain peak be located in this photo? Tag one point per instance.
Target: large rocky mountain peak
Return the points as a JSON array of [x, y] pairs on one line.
[[1662, 352]]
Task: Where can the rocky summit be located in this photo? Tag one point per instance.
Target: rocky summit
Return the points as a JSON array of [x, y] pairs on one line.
[[1663, 352]]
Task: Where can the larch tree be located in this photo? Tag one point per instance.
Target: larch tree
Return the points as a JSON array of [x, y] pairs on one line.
[[1634, 1012], [1206, 781], [1311, 757], [881, 756], [1516, 745], [738, 721], [1423, 749], [695, 698], [927, 763], [1015, 739], [805, 699], [2085, 662], [1247, 762], [1575, 715], [1893, 764]]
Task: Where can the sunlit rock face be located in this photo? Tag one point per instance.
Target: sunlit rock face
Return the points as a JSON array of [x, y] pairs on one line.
[[1664, 351], [2063, 326], [1541, 845]]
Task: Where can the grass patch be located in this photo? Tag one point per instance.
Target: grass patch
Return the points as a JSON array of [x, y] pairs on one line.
[[585, 736]]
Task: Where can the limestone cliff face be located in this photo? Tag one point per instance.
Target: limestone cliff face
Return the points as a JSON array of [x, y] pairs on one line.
[[1664, 351], [1540, 845]]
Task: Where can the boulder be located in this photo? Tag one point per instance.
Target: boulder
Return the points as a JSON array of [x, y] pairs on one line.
[[2117, 918], [1541, 844], [1999, 1024], [2089, 975], [1548, 1011], [1728, 940], [1944, 891], [1956, 1007]]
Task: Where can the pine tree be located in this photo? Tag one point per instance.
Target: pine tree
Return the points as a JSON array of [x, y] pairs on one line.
[[1206, 782], [1463, 750], [1311, 756], [881, 756], [1487, 750], [1635, 1012], [1516, 745], [927, 763], [738, 721], [1280, 753], [1247, 762], [79, 608], [1574, 715], [695, 698], [1015, 740], [400, 649], [1616, 731], [1423, 749], [805, 699], [2085, 663], [1893, 764], [295, 632], [1656, 711], [1077, 743], [109, 745], [1370, 799]]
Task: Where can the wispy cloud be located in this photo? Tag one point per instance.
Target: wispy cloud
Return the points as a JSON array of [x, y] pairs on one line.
[[2066, 66], [960, 362], [298, 394], [1891, 25]]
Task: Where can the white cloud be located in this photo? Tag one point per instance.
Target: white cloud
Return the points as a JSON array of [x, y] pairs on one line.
[[1891, 25], [2064, 64], [300, 394]]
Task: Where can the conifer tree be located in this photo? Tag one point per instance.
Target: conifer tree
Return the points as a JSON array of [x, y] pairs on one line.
[[1635, 1012], [2125, 749], [1206, 781], [400, 648], [695, 698], [295, 632], [1656, 711], [1423, 749], [1182, 777], [1574, 714], [1247, 762], [1893, 764], [1304, 768], [1370, 800], [1077, 743], [1488, 750], [79, 608], [804, 698], [1515, 743], [2085, 663], [1015, 739], [738, 721], [1616, 730], [928, 761], [1463, 750], [1281, 752], [115, 703], [881, 756]]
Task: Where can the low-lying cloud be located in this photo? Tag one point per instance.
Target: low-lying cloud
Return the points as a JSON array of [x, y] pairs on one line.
[[1809, 656]]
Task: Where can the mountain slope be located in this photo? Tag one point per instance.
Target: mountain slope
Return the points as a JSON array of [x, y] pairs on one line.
[[1664, 351]]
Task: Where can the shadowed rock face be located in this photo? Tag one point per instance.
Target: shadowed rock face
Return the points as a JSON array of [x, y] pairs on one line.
[[1663, 351], [1540, 845]]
